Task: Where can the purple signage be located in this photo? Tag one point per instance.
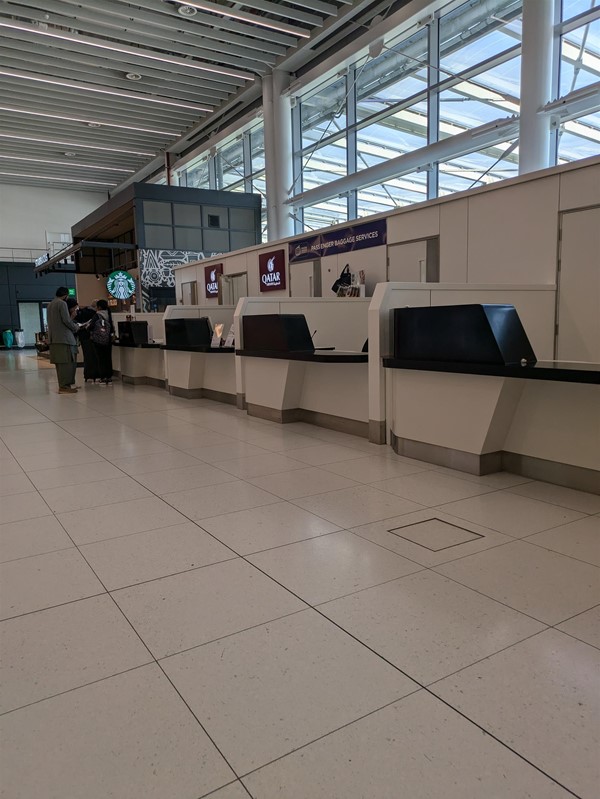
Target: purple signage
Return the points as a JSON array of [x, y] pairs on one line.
[[348, 239]]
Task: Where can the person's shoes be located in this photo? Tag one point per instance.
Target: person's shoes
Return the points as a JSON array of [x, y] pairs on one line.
[[109, 382], [67, 390], [102, 384]]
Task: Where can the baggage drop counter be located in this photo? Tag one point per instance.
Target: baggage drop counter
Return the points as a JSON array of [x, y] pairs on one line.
[[302, 360], [466, 391], [194, 368]]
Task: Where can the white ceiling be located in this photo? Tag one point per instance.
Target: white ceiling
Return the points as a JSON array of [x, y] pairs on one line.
[[70, 117]]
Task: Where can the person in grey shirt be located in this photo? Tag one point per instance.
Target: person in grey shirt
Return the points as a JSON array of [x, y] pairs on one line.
[[62, 341]]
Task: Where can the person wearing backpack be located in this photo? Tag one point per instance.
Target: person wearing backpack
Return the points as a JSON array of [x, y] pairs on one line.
[[101, 335]]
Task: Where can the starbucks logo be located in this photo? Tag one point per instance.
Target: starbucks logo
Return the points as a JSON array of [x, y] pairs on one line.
[[120, 285]]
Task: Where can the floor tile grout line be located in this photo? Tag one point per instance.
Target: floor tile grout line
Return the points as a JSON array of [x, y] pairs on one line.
[[554, 504], [76, 688], [51, 607], [555, 551], [575, 615]]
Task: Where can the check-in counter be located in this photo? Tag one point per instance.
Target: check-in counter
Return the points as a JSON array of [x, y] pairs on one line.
[[194, 368], [286, 379], [499, 409]]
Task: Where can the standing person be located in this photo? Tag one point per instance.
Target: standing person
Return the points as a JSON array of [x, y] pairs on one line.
[[101, 335], [90, 360], [62, 341]]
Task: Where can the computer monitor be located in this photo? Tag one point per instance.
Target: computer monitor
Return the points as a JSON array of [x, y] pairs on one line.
[[277, 333], [188, 332], [131, 334]]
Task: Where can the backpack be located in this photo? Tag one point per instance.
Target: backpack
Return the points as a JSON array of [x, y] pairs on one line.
[[100, 332]]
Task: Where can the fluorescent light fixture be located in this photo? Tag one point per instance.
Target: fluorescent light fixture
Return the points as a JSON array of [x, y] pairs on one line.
[[62, 180], [88, 88], [251, 18], [89, 122], [66, 163], [122, 48], [73, 144]]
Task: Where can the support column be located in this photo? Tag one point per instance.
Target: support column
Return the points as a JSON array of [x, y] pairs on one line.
[[536, 84], [278, 154]]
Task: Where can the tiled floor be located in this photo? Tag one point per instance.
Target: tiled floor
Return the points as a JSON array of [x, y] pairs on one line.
[[195, 603]]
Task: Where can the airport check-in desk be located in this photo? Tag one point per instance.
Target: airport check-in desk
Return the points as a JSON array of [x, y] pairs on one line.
[[193, 367], [286, 379], [466, 392], [135, 358]]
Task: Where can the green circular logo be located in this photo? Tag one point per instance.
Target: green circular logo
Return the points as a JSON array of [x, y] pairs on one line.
[[121, 285]]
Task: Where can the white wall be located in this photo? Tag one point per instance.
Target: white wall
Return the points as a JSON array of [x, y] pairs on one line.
[[26, 213]]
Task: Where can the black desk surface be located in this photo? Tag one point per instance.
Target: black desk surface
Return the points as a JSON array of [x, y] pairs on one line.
[[559, 371], [318, 356], [199, 348], [148, 346]]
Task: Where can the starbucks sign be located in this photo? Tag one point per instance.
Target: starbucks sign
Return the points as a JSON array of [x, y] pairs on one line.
[[120, 285]]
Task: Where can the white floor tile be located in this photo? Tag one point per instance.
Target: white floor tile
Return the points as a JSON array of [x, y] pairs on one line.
[[9, 466], [186, 610], [23, 506], [55, 650], [146, 556], [269, 526], [429, 626], [234, 686], [234, 791], [495, 480], [585, 626], [325, 453], [202, 503], [98, 494], [184, 478], [373, 468], [351, 507], [43, 581], [126, 736], [276, 440], [259, 465], [559, 495], [135, 516], [234, 449], [540, 697], [15, 484], [580, 539], [417, 747], [74, 475], [60, 458], [302, 482], [548, 586], [431, 488], [331, 566], [160, 462], [417, 537], [32, 537], [511, 514]]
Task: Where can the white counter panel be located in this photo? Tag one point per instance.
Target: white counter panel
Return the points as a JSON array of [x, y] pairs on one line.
[[337, 389]]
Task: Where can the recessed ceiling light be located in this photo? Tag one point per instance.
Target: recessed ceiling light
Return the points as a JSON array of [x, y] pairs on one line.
[[133, 76], [187, 11], [243, 16], [94, 125], [70, 154]]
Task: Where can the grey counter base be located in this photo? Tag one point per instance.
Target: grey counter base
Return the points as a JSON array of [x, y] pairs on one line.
[[563, 474], [202, 393], [338, 423], [143, 381]]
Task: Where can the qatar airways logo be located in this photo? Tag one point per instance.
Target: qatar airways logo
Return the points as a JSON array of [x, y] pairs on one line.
[[211, 279], [272, 270]]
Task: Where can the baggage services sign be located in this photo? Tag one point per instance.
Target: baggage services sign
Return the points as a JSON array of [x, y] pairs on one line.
[[348, 239], [271, 269]]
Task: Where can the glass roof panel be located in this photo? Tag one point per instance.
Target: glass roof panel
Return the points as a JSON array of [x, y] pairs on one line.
[[580, 58], [571, 8], [579, 138], [323, 112], [478, 169], [394, 193], [475, 32]]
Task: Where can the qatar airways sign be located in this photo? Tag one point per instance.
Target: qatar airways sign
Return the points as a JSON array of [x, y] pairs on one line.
[[271, 269], [211, 279]]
